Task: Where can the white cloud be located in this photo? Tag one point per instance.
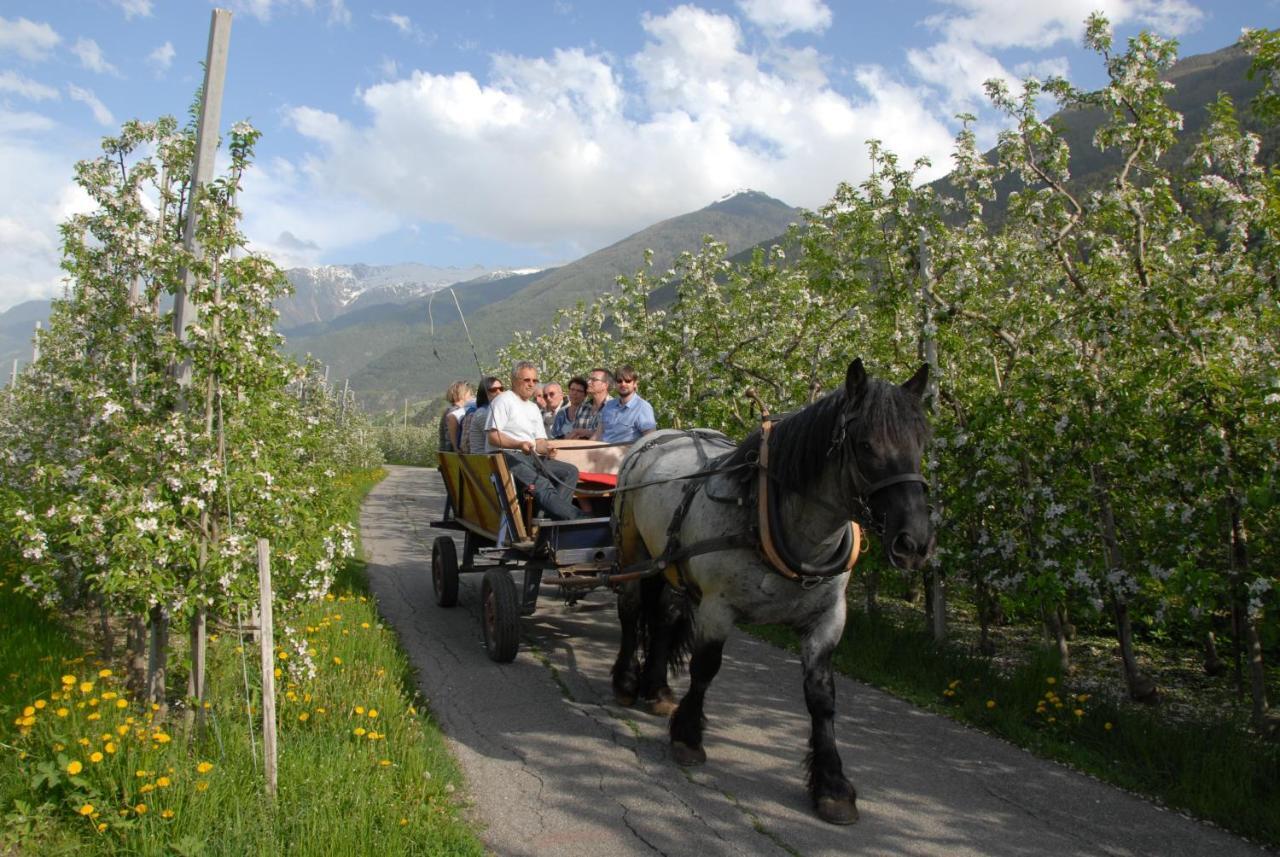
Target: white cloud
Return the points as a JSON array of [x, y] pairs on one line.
[[161, 58], [263, 10], [21, 122], [86, 97], [400, 22], [551, 147], [16, 84], [39, 194], [780, 17], [91, 57], [971, 30], [134, 8], [27, 39]]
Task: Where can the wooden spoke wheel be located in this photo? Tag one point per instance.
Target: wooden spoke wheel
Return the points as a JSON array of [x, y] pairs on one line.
[[501, 615], [444, 571]]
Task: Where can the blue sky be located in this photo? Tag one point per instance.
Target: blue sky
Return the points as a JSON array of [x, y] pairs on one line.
[[524, 133]]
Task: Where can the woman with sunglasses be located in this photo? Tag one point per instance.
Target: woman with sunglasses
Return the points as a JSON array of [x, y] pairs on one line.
[[473, 423]]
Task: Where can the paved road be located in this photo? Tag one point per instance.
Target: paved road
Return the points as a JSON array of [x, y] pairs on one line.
[[554, 767]]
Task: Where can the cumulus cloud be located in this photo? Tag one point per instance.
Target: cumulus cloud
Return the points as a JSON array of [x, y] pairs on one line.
[[780, 17], [161, 58], [91, 57], [27, 39], [16, 84], [556, 146], [400, 22], [971, 30], [264, 10], [87, 98]]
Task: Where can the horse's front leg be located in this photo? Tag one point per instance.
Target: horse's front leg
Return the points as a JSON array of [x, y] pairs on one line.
[[688, 720], [833, 795]]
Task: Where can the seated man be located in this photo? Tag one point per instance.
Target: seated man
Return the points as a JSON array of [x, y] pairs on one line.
[[627, 418], [514, 427]]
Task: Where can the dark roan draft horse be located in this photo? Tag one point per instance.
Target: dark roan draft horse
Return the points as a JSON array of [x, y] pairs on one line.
[[854, 454]]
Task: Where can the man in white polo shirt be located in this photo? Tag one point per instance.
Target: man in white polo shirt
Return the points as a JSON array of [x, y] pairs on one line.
[[514, 427]]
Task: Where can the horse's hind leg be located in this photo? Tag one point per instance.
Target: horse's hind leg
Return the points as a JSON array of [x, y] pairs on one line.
[[626, 668], [688, 721], [661, 623], [833, 795]]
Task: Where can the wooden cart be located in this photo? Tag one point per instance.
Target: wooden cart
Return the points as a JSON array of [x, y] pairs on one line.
[[501, 533]]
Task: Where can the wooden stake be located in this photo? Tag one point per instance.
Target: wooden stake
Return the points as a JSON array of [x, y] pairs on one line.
[[268, 665], [35, 344], [215, 73]]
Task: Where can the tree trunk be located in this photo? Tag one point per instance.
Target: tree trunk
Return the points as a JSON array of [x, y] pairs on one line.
[[195, 681], [872, 582], [104, 630], [1240, 569], [1058, 634], [136, 658], [158, 661], [937, 604], [986, 613], [1141, 686], [1213, 665]]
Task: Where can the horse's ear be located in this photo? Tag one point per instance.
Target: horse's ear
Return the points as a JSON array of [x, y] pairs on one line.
[[916, 383], [855, 380]]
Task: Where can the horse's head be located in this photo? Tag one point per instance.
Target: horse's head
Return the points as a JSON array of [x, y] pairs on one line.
[[884, 435]]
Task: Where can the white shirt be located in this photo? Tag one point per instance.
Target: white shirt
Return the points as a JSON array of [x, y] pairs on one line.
[[514, 417]]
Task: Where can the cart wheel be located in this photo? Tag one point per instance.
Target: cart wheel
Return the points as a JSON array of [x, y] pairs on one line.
[[501, 615], [444, 571]]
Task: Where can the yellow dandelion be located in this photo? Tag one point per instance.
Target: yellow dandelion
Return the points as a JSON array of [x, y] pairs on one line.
[[991, 703], [284, 656], [139, 773], [58, 748], [364, 624], [202, 785], [74, 767], [359, 731], [104, 673], [373, 736], [68, 680], [1107, 726], [111, 694], [277, 672], [102, 825], [86, 809], [62, 712], [166, 813], [304, 717], [147, 788], [413, 712], [337, 661], [94, 716], [28, 711], [161, 738], [163, 782], [83, 742], [1051, 680], [359, 709], [1079, 712], [404, 822], [95, 757], [140, 809], [204, 767], [122, 703], [373, 712], [86, 687]]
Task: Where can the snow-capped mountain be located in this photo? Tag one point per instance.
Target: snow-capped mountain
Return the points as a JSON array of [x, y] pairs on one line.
[[326, 292]]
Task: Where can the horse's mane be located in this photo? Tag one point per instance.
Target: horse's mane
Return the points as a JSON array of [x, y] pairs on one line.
[[799, 443]]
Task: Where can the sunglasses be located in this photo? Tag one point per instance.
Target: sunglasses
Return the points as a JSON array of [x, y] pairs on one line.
[[495, 389]]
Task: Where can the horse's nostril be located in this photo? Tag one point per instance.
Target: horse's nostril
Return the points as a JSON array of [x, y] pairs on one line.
[[904, 544]]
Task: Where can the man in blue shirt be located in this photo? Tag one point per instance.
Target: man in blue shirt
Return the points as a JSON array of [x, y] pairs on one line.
[[627, 418]]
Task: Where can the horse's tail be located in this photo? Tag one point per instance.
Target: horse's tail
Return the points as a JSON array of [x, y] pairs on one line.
[[679, 613], [666, 623]]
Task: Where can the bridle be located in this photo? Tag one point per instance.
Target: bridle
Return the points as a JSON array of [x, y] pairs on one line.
[[864, 488]]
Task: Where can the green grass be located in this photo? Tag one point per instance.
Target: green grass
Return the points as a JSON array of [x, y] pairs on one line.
[[340, 791], [1212, 769]]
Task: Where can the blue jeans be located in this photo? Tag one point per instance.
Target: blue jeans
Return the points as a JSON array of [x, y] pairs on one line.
[[554, 498]]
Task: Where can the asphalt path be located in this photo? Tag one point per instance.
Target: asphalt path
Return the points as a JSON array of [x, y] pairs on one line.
[[554, 767]]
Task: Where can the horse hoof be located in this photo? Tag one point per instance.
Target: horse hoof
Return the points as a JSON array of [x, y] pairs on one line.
[[838, 810], [664, 705], [686, 756]]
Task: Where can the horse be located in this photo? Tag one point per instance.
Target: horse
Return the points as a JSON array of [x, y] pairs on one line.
[[854, 453]]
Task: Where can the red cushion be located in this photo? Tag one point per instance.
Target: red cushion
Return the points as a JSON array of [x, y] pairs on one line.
[[601, 480]]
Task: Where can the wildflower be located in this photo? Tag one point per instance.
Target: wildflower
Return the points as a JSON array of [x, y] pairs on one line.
[[386, 763], [404, 822], [74, 767], [337, 661], [86, 809], [304, 717], [284, 656], [147, 788], [373, 712], [104, 673], [163, 782], [358, 731], [202, 785], [364, 624], [68, 680], [1079, 712], [321, 710], [122, 703], [86, 687], [359, 709], [1051, 680], [40, 703], [102, 825], [62, 712], [122, 730], [161, 738], [167, 813], [95, 757], [991, 703], [1107, 726], [140, 809], [204, 767]]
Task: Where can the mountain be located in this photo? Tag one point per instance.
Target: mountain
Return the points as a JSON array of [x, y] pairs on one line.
[[327, 292], [17, 327], [423, 365]]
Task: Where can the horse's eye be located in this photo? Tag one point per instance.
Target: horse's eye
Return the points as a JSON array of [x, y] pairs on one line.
[[865, 447]]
